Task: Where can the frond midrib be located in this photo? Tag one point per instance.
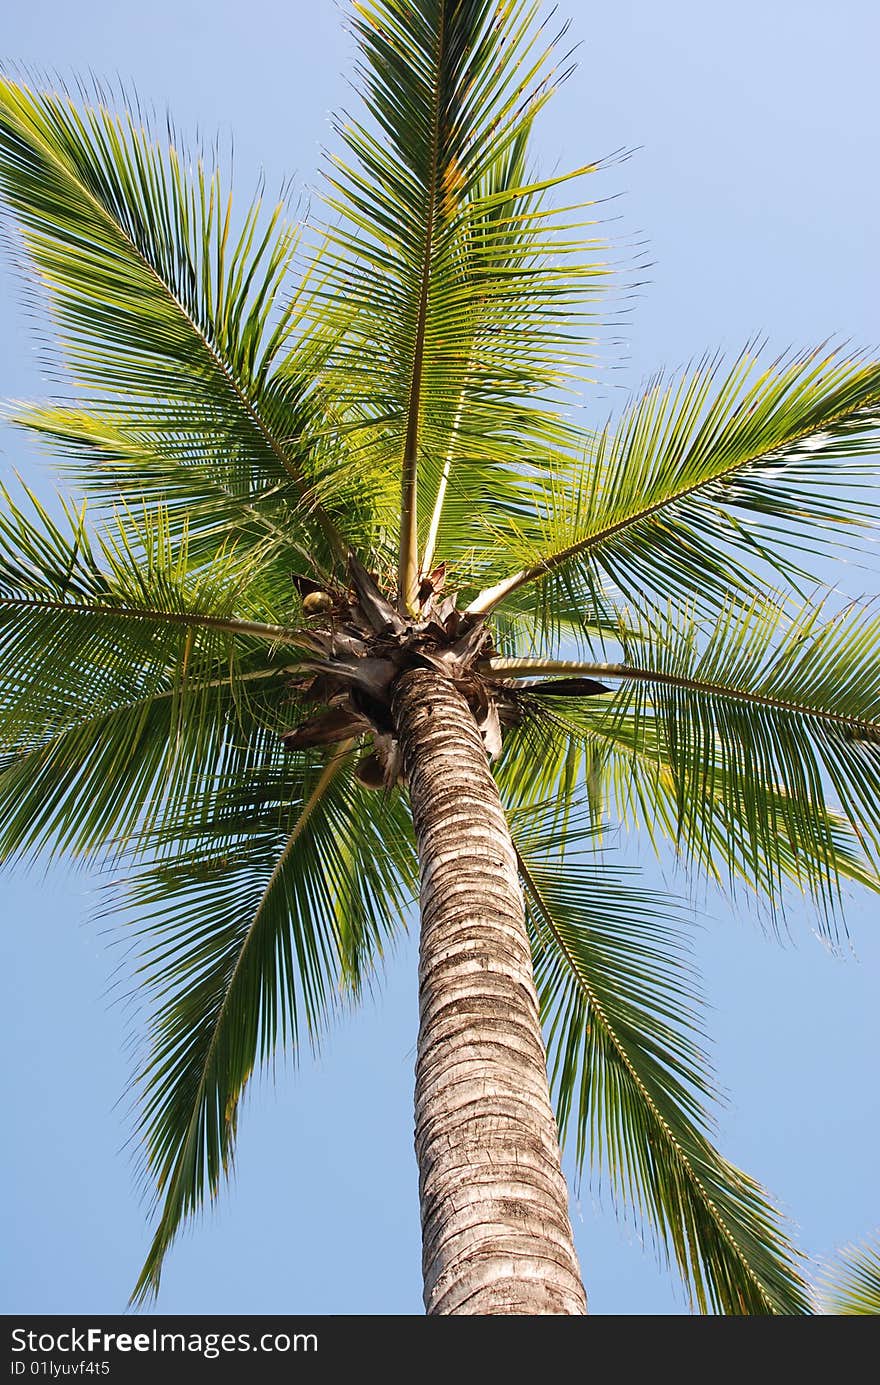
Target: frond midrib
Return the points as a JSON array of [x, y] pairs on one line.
[[408, 563], [273, 634], [328, 774], [690, 683]]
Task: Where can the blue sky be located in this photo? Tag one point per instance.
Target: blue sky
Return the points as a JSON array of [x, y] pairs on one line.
[[753, 191]]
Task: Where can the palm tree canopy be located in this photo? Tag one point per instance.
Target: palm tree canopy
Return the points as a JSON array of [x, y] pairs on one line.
[[297, 454]]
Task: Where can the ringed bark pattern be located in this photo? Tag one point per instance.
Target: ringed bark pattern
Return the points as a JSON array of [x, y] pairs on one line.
[[496, 1234]]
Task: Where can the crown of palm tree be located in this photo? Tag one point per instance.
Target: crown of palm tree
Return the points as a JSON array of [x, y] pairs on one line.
[[313, 463]]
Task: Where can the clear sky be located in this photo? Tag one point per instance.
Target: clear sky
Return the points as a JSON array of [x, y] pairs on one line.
[[754, 190]]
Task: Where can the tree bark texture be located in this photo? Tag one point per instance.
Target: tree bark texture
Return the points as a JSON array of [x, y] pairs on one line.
[[496, 1235]]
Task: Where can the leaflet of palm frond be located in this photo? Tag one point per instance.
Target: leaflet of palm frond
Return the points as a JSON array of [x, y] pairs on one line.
[[850, 1287], [751, 745], [127, 676]]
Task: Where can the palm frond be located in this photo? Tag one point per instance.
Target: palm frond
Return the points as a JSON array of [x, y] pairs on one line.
[[108, 459], [623, 770], [628, 1071], [126, 677], [769, 700], [753, 746], [457, 293], [174, 312], [702, 477], [264, 911], [851, 1286]]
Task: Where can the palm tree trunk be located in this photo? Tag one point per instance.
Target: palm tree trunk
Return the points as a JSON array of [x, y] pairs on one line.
[[496, 1236]]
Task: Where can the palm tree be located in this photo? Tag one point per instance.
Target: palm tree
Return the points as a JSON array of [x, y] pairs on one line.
[[358, 610]]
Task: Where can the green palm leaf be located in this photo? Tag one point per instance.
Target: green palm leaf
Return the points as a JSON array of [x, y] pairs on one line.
[[175, 315], [127, 677], [619, 1008], [698, 474], [106, 457], [765, 727], [452, 279], [851, 1287], [261, 915], [622, 767]]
